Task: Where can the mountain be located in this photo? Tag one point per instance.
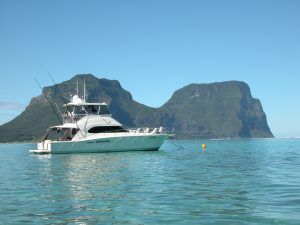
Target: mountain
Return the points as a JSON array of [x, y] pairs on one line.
[[216, 110]]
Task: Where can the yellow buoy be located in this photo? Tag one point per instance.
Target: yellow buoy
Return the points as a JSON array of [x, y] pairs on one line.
[[204, 146]]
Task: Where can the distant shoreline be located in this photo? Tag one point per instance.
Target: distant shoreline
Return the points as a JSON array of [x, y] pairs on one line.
[[213, 139]]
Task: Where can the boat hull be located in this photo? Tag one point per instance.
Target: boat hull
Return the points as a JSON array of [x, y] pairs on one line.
[[107, 144]]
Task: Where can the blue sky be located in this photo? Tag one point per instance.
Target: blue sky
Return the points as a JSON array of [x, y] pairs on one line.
[[153, 48]]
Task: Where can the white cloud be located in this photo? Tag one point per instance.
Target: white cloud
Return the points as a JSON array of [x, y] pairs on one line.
[[12, 106], [9, 110]]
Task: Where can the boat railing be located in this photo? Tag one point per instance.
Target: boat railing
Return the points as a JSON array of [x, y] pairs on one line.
[[153, 130]]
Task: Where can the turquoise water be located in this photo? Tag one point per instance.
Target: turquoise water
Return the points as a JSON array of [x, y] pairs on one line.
[[231, 182]]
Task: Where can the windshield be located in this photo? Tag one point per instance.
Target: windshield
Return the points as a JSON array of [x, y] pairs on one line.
[[92, 109], [103, 110], [107, 129], [79, 110]]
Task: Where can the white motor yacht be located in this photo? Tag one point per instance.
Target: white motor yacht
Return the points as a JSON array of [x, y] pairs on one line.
[[89, 127]]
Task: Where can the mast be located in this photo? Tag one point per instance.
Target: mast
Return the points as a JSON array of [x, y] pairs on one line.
[[48, 100], [84, 89], [77, 88]]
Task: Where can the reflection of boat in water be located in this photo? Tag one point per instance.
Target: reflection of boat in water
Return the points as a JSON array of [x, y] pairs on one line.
[[89, 127]]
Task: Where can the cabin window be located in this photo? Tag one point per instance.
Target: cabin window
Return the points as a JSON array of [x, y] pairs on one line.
[[106, 129], [64, 134], [92, 109], [74, 131], [103, 110], [79, 110]]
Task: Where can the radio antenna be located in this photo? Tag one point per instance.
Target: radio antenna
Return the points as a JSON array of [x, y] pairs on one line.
[[77, 89], [58, 89], [84, 89], [59, 119]]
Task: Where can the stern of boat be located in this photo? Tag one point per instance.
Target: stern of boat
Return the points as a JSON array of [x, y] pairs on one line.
[[43, 147]]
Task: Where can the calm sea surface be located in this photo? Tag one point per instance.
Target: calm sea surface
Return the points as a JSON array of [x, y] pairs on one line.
[[231, 182]]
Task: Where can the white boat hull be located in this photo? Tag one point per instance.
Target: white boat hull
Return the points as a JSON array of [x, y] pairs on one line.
[[105, 144]]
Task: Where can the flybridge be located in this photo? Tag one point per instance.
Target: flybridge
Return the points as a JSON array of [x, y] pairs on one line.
[[76, 100], [77, 108]]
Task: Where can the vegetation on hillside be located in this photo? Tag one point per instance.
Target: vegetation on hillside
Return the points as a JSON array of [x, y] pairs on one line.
[[217, 110]]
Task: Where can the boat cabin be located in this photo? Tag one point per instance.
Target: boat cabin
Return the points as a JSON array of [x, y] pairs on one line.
[[60, 133], [78, 108], [67, 132]]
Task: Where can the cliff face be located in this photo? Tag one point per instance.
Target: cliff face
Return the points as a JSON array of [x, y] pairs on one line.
[[217, 110]]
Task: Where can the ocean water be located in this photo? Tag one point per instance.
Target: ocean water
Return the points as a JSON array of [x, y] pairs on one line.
[[231, 182]]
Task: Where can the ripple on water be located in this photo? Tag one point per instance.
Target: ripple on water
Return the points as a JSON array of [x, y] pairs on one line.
[[231, 182]]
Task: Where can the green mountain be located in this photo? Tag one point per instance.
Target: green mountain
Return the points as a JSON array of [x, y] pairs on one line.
[[217, 110]]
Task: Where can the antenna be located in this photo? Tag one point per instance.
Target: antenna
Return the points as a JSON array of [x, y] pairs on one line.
[[57, 89], [77, 88], [58, 108], [84, 89], [48, 100]]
